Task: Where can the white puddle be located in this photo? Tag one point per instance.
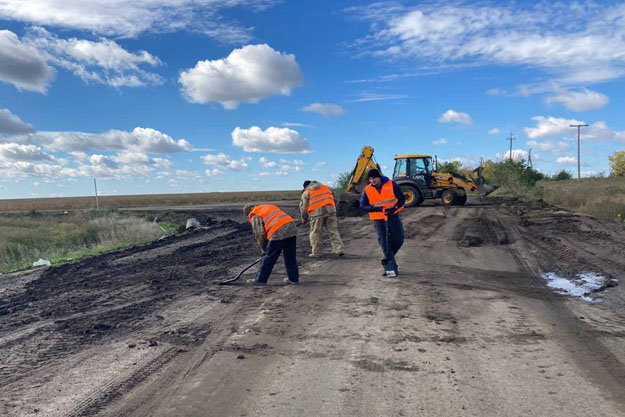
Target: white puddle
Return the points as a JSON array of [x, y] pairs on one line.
[[581, 286]]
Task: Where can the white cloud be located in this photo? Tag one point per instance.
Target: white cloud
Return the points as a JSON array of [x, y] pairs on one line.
[[451, 116], [139, 140], [514, 34], [364, 97], [494, 131], [225, 161], [130, 18], [441, 141], [579, 100], [568, 160], [319, 165], [267, 163], [248, 74], [325, 109], [496, 92], [22, 65], [11, 124], [293, 124], [550, 146], [550, 126], [213, 172], [103, 62], [272, 139], [466, 162], [517, 155], [18, 152]]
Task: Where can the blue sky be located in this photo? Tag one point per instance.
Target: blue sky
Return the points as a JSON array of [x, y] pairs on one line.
[[179, 96]]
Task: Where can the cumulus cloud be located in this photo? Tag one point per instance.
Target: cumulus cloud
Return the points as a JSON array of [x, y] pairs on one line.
[[325, 109], [579, 100], [130, 18], [451, 116], [517, 155], [247, 74], [441, 141], [550, 126], [266, 163], [22, 65], [13, 125], [225, 161], [272, 139], [17, 152], [550, 146], [567, 160], [103, 61], [494, 131], [140, 139], [513, 34]]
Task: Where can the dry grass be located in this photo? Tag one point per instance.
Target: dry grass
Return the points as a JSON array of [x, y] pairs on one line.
[[599, 197], [149, 200], [28, 237]]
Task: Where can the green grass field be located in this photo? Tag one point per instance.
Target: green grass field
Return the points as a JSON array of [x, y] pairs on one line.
[[27, 237]]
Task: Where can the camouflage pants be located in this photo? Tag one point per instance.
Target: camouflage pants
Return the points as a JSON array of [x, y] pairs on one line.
[[331, 224]]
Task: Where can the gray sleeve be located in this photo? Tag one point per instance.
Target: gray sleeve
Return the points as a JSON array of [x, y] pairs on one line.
[[303, 205]]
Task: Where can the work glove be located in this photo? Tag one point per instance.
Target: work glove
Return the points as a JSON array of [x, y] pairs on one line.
[[304, 221]]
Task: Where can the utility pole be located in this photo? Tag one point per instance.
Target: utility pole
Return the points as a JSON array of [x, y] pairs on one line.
[[511, 138], [529, 158], [579, 127], [97, 205]]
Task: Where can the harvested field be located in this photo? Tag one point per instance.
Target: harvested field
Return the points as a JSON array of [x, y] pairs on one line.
[[469, 328]]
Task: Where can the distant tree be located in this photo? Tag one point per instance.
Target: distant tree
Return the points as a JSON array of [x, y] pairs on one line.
[[562, 175], [450, 166], [342, 180], [617, 164]]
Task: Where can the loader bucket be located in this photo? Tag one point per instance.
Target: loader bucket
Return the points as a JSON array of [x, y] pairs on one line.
[[485, 189]]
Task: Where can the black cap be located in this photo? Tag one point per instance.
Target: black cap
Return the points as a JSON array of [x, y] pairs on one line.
[[374, 173], [307, 183]]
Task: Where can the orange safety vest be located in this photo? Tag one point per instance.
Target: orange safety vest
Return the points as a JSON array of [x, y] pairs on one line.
[[385, 198], [273, 218], [320, 197]]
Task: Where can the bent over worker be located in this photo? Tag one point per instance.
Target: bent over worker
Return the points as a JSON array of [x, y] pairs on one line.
[[383, 199], [275, 233], [318, 206]]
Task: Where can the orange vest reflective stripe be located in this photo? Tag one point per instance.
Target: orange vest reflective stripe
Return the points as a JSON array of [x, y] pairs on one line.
[[384, 198], [273, 218], [320, 197]]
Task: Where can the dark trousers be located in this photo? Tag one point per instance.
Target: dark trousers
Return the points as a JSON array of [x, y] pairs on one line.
[[391, 246], [288, 247]]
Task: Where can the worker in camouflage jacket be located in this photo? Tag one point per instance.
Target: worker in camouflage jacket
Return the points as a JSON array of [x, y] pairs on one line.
[[318, 206], [276, 233]]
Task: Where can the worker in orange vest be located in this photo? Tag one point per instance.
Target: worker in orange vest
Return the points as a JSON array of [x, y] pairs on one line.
[[276, 233], [383, 199], [318, 206]]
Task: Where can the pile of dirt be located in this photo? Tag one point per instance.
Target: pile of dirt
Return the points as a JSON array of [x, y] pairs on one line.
[[349, 206]]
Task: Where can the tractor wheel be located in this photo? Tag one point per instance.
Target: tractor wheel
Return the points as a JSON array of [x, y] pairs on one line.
[[449, 197], [461, 200], [413, 196]]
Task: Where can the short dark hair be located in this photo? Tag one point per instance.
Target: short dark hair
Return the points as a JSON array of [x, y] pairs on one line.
[[374, 173], [307, 183]]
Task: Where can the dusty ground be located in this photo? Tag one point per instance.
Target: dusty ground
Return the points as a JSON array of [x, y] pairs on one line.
[[469, 328]]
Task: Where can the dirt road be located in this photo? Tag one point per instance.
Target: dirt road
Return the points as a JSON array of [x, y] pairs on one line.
[[469, 328]]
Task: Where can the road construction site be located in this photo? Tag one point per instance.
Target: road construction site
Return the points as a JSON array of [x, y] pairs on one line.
[[469, 328]]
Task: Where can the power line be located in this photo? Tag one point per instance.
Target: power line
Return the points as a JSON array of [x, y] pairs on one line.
[[579, 127]]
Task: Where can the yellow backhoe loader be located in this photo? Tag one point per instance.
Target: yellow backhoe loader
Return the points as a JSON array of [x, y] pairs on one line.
[[418, 179]]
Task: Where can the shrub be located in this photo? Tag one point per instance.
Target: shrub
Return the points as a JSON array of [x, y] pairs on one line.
[[617, 164], [562, 175]]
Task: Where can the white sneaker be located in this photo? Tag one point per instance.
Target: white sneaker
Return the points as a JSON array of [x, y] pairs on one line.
[[314, 255]]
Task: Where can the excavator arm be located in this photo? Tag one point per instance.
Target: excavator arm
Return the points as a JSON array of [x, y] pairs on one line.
[[363, 163]]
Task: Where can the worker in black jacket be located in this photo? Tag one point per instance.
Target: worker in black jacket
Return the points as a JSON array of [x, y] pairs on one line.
[[383, 199]]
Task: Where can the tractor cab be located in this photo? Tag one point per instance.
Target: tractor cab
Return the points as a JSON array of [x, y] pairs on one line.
[[414, 168]]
